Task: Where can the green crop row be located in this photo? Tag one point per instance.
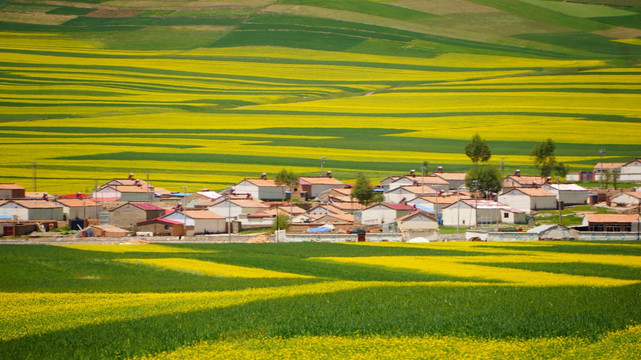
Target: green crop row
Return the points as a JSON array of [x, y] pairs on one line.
[[110, 301]]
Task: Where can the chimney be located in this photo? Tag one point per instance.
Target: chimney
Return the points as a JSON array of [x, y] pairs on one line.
[[131, 176], [263, 176], [137, 182], [45, 196], [249, 196], [439, 169], [412, 172], [415, 182], [517, 172], [79, 195], [329, 174]]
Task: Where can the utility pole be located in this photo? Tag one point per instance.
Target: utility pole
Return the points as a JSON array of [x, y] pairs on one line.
[[184, 209], [322, 159], [601, 152], [35, 187]]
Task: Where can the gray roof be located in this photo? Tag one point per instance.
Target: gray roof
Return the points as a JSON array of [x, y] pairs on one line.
[[542, 228]]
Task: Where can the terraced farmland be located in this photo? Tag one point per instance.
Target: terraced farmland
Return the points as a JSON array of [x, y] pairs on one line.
[[318, 300], [205, 95]]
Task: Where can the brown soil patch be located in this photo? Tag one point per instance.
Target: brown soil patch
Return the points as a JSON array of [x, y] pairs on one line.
[[111, 13]]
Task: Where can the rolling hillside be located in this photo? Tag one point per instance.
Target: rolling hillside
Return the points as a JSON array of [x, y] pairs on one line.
[[205, 93]]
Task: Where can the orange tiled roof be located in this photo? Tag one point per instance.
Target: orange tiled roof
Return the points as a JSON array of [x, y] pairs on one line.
[[612, 218]]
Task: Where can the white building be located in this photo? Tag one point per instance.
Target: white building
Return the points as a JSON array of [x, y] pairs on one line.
[[631, 171], [404, 194], [384, 213], [417, 221], [199, 221], [433, 182], [471, 212], [628, 198], [529, 199], [32, 210], [238, 208], [569, 194], [263, 189], [314, 186]]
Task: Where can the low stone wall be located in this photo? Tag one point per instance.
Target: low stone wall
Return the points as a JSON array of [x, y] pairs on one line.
[[370, 237], [608, 236]]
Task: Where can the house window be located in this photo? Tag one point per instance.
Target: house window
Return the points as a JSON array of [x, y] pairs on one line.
[[506, 215]]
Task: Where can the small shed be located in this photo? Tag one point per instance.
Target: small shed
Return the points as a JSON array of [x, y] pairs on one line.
[[161, 227], [554, 232], [102, 231]]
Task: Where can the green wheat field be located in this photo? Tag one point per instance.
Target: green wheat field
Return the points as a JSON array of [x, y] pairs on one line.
[[561, 300], [204, 94]]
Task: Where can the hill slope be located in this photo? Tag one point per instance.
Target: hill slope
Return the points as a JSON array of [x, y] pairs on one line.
[[206, 94]]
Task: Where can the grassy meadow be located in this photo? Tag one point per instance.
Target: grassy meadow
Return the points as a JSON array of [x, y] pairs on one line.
[[204, 94], [560, 300]]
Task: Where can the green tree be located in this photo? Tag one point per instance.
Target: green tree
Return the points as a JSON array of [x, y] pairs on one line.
[[287, 177], [478, 149], [281, 222], [560, 170], [616, 174], [487, 179], [544, 158], [362, 191]]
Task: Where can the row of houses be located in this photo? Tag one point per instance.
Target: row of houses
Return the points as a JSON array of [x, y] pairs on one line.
[[411, 202]]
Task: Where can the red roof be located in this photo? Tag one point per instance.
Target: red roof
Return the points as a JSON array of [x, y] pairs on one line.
[[166, 221], [147, 206], [398, 206]]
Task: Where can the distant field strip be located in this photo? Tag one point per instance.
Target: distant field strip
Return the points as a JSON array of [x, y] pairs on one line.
[[221, 114]]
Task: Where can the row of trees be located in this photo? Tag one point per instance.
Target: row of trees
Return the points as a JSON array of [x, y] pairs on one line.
[[488, 179]]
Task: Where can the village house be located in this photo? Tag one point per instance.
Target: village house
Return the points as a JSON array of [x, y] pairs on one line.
[[519, 181], [385, 183], [529, 199], [315, 185], [554, 232], [124, 193], [403, 194], [435, 203], [102, 231], [76, 209], [455, 179], [32, 210], [160, 227], [197, 222], [238, 208], [601, 168], [472, 212], [324, 210], [205, 195], [568, 194], [263, 189], [383, 213], [631, 171], [11, 191], [336, 195], [417, 221], [612, 222], [628, 198], [127, 215], [434, 182], [335, 219], [348, 207]]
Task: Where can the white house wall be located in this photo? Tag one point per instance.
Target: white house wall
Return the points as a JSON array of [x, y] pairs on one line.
[[465, 214], [224, 209], [12, 209], [418, 223], [516, 200], [378, 216]]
